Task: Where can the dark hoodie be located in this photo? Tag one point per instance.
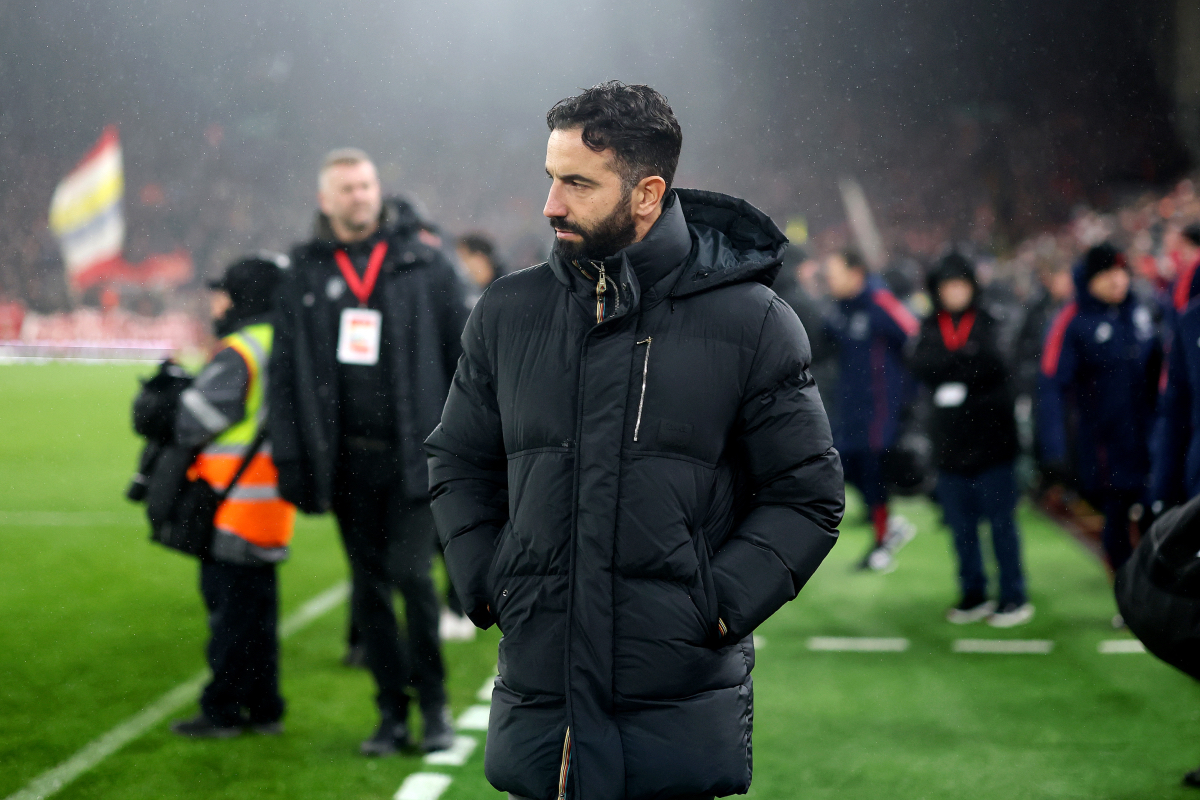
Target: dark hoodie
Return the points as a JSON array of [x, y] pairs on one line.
[[315, 399], [1101, 365], [629, 499], [956, 356]]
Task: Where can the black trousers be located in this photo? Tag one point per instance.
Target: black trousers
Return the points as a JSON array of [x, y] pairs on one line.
[[243, 653], [389, 542]]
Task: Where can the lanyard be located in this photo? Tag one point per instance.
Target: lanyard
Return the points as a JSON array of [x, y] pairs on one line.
[[955, 336], [363, 287]]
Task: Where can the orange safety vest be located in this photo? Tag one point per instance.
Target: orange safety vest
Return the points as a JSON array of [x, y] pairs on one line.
[[254, 511]]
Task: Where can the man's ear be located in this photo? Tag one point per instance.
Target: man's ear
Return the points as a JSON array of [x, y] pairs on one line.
[[648, 195]]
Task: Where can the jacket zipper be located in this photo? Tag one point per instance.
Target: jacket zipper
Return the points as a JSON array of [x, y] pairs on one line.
[[601, 288], [637, 427], [565, 768]]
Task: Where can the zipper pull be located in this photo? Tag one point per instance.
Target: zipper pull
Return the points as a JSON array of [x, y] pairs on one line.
[[637, 428], [601, 288], [565, 768]]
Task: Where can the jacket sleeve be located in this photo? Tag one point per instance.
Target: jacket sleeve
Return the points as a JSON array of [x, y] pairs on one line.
[[215, 400], [1172, 432], [795, 479], [286, 441], [1060, 359], [468, 473], [930, 361]]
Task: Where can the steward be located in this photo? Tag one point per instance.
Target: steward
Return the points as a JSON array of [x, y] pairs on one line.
[[370, 317], [221, 413], [974, 435]]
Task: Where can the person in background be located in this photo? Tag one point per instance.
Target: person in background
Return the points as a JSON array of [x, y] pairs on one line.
[[974, 441], [368, 339], [221, 413], [477, 254], [798, 285], [1055, 289], [1101, 365], [871, 328], [1175, 477]]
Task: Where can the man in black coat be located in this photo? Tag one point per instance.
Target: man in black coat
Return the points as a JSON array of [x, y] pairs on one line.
[[633, 470], [974, 437], [366, 344]]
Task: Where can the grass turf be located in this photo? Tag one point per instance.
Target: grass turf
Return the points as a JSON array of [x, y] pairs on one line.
[[97, 623]]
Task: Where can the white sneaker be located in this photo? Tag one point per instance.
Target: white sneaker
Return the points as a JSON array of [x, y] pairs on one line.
[[453, 628], [967, 612], [1011, 615], [899, 533]]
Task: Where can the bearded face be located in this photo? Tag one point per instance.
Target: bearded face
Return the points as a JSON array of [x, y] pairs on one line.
[[598, 240]]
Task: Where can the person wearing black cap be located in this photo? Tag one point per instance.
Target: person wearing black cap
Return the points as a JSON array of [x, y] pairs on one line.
[[369, 323], [220, 415], [974, 441], [1100, 371]]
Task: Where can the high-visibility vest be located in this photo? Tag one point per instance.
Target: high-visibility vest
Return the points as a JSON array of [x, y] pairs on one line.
[[254, 511]]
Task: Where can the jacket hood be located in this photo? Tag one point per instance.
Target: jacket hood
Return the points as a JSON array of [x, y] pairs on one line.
[[734, 242], [1082, 274], [397, 217], [950, 267]]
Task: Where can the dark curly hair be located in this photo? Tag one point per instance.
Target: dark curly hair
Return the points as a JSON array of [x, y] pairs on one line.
[[635, 122]]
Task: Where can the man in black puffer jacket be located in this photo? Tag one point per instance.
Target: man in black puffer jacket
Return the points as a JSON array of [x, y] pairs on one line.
[[974, 436], [633, 470]]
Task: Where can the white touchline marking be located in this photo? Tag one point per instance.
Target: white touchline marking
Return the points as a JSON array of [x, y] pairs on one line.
[[484, 695], [66, 519], [759, 642], [857, 644], [456, 756], [422, 786], [95, 751], [1039, 647], [1111, 646], [474, 718]]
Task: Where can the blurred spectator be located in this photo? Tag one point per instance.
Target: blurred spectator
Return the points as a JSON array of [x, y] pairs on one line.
[[1100, 364], [477, 254], [871, 328], [974, 441]]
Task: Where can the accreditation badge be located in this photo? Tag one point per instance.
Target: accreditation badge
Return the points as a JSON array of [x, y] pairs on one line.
[[358, 336]]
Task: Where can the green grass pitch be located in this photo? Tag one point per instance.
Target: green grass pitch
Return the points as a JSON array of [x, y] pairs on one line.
[[96, 623]]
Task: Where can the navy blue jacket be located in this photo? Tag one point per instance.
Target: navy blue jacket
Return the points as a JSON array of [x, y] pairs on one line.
[[1102, 363], [1176, 474], [871, 331]]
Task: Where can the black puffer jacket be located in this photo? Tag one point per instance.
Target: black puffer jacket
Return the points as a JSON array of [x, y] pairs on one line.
[[424, 310], [972, 426], [630, 499]]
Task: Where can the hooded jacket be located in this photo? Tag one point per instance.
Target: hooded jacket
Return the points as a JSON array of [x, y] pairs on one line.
[[1175, 476], [1100, 366], [871, 331], [629, 499], [423, 306], [972, 425]]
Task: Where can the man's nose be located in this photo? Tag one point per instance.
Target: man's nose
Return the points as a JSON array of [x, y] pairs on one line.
[[554, 204]]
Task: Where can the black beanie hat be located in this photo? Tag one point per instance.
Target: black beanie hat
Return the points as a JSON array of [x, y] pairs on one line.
[[1100, 258], [250, 282], [954, 265]]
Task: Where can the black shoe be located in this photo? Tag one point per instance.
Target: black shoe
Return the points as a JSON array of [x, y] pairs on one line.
[[390, 737], [1192, 779], [356, 656], [439, 730], [201, 727]]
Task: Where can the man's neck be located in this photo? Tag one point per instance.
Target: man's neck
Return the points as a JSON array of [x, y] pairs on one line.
[[347, 235]]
